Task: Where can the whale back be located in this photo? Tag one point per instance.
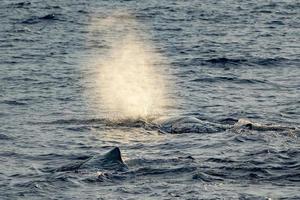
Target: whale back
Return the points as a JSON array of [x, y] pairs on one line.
[[112, 160], [186, 125], [249, 125]]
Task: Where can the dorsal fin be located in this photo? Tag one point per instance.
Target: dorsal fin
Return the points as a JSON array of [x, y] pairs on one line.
[[114, 154], [112, 160]]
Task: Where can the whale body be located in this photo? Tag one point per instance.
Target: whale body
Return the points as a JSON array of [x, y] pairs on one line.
[[243, 124], [185, 124]]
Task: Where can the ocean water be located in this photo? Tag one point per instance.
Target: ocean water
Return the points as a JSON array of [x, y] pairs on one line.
[[223, 61]]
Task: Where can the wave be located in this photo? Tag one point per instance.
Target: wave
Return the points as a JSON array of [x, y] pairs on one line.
[[205, 177], [14, 103], [229, 79], [224, 60], [248, 62], [74, 121], [146, 171], [5, 137], [36, 19], [23, 4]]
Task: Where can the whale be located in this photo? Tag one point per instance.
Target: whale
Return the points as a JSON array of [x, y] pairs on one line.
[[190, 124], [187, 124], [246, 124], [112, 161]]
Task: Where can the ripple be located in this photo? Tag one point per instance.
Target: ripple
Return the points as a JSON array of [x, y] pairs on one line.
[[229, 79], [14, 103], [225, 61], [5, 137], [44, 18]]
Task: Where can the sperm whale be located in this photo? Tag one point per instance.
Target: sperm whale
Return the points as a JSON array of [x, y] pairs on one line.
[[186, 124]]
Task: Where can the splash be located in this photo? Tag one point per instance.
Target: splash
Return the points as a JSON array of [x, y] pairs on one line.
[[128, 80]]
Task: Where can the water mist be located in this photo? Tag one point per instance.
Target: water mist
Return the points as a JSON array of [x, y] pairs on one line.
[[128, 78]]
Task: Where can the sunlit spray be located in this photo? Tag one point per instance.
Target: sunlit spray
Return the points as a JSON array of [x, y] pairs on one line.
[[128, 79]]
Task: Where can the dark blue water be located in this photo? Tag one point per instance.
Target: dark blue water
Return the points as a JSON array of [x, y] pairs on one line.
[[228, 59]]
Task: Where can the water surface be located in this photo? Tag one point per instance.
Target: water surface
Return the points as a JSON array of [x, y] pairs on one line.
[[227, 59]]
